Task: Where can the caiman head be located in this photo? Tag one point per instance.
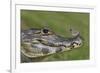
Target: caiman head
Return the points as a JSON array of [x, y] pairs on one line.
[[36, 42]]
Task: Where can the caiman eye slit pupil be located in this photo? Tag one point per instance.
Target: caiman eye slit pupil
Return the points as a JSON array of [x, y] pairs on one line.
[[45, 30]]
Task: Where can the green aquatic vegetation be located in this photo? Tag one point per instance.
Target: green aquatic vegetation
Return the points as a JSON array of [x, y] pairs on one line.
[[60, 23]]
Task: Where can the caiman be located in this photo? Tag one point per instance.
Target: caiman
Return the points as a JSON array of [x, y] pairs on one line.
[[42, 42]]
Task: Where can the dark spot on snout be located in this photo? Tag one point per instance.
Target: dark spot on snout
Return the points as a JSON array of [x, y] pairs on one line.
[[75, 43], [72, 44]]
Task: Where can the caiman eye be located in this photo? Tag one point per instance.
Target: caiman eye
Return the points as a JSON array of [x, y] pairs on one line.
[[45, 30]]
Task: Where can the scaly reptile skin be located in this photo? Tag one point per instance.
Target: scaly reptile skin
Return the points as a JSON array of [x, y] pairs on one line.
[[41, 42]]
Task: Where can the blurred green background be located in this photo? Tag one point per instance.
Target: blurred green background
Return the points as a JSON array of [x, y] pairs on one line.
[[60, 23]]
